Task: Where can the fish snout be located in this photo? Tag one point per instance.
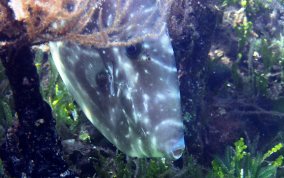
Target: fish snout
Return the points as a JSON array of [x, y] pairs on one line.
[[175, 148]]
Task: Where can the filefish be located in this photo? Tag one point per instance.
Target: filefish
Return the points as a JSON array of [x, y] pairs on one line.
[[129, 93]]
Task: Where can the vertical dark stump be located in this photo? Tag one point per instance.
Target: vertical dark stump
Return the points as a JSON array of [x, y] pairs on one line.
[[191, 26], [32, 147]]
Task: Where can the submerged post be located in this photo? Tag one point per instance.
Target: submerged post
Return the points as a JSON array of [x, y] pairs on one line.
[[32, 147]]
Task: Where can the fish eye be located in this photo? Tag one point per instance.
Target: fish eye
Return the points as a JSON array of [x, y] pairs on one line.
[[134, 51], [70, 7]]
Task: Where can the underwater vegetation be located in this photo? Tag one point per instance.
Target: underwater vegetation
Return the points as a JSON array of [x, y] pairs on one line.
[[238, 162]]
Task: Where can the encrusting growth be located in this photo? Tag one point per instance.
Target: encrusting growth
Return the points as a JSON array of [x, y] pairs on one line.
[[3, 16], [81, 21]]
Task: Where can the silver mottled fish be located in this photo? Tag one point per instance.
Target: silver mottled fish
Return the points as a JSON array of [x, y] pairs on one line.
[[131, 94]]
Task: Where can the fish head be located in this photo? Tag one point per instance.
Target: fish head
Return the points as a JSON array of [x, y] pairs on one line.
[[130, 93]]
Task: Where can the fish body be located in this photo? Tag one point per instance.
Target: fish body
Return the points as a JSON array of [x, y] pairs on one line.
[[130, 93]]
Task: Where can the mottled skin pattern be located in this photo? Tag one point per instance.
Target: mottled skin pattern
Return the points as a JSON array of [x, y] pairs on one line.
[[130, 94]]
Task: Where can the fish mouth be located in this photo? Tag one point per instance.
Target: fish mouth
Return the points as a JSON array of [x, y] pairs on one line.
[[177, 153], [175, 150]]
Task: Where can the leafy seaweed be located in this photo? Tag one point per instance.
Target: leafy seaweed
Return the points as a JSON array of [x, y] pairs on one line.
[[237, 162]]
